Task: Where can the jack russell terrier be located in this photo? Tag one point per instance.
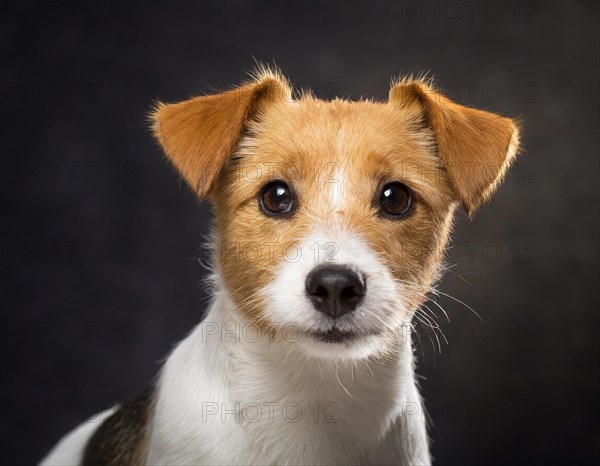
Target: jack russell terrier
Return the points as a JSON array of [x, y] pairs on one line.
[[332, 218]]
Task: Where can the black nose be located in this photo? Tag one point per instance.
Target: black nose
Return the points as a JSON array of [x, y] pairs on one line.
[[335, 289]]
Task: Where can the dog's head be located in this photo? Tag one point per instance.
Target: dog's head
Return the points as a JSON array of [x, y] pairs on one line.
[[333, 216]]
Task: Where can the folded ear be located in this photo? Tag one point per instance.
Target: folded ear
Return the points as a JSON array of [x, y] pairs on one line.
[[477, 147], [198, 135]]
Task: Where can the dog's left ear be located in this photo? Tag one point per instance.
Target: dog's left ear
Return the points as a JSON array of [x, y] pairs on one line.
[[198, 135], [477, 147]]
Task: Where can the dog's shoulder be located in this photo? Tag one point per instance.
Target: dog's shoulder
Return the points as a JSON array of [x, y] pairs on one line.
[[123, 437]]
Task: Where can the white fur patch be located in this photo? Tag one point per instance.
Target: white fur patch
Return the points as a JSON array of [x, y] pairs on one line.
[[69, 450], [338, 184]]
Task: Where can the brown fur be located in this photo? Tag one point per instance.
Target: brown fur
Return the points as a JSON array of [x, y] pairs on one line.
[[418, 137], [122, 439], [477, 147], [199, 134]]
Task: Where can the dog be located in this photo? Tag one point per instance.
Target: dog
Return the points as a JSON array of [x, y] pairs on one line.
[[332, 218]]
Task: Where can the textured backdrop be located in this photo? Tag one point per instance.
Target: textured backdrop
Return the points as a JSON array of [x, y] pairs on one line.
[[99, 237]]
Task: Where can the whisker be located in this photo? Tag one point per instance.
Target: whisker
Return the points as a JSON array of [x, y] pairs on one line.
[[439, 329], [340, 382], [461, 302], [438, 305], [434, 333], [461, 276]]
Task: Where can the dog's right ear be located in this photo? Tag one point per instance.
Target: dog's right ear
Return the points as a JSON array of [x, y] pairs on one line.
[[198, 135]]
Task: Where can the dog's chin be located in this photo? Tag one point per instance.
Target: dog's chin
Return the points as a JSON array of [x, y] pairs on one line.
[[339, 345]]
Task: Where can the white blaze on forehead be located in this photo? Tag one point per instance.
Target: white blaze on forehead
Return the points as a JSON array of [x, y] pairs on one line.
[[337, 179], [337, 187]]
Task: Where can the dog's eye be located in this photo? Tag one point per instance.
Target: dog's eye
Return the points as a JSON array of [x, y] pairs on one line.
[[395, 199], [276, 198]]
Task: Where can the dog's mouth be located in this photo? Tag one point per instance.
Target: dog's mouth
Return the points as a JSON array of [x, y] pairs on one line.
[[335, 335]]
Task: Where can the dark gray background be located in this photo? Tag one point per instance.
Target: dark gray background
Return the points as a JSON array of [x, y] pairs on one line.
[[98, 236]]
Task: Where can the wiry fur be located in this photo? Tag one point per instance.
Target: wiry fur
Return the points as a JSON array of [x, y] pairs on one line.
[[336, 156]]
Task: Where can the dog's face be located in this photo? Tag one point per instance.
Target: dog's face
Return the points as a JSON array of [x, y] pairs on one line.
[[339, 212], [333, 216]]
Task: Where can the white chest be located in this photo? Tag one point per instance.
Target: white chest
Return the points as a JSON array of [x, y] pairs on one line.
[[224, 402]]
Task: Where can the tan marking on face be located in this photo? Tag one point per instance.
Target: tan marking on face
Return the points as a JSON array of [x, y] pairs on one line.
[[305, 144]]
